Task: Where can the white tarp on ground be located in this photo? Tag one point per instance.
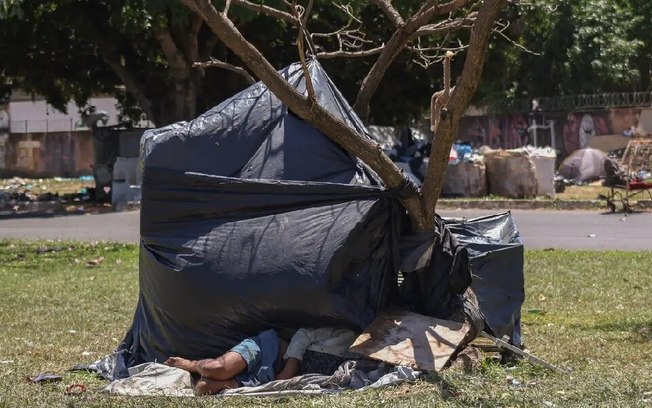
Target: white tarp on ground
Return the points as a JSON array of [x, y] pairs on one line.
[[154, 379]]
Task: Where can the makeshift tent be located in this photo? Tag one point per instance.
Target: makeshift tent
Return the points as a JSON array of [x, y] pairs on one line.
[[583, 165], [251, 218]]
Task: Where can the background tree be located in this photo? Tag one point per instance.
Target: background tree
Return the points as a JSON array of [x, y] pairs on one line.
[[575, 46], [142, 51]]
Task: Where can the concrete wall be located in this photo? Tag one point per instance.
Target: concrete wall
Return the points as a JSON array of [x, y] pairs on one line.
[[55, 154], [37, 140]]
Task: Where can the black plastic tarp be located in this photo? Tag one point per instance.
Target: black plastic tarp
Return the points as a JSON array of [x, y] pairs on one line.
[[435, 269], [497, 261], [253, 219], [253, 135]]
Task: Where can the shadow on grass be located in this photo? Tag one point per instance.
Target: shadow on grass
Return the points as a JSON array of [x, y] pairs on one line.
[[642, 331], [449, 391]]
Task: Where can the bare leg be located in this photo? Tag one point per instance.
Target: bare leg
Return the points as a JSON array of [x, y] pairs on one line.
[[222, 368], [206, 386]]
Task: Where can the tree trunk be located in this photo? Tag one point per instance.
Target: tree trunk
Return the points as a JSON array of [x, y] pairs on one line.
[[459, 100]]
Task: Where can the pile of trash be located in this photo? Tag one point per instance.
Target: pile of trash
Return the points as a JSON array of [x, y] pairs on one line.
[[525, 172], [520, 173], [19, 196]]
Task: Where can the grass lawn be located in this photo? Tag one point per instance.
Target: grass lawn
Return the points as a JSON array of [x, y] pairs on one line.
[[586, 192], [589, 311]]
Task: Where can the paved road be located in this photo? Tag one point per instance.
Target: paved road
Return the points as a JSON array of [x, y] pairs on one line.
[[539, 229], [118, 226], [578, 229]]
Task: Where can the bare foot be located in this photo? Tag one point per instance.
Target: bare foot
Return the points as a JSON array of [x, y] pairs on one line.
[[206, 386], [182, 363]]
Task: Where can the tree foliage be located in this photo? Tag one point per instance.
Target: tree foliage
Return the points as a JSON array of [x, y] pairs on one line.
[[141, 51], [581, 46]]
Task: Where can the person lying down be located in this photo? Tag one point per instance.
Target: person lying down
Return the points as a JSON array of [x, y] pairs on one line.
[[267, 357]]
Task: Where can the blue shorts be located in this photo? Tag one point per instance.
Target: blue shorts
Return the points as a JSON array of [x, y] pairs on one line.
[[260, 353]]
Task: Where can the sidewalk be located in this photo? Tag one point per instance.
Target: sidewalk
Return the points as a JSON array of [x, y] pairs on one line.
[[507, 204]]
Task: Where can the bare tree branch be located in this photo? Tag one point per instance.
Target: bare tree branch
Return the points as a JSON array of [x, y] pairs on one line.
[[368, 151], [427, 56], [440, 99], [302, 53], [348, 38], [447, 26], [451, 6], [225, 65], [270, 11], [392, 14], [338, 54], [394, 45], [515, 44], [433, 7]]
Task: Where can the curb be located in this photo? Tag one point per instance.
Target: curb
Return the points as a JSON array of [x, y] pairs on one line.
[[534, 204]]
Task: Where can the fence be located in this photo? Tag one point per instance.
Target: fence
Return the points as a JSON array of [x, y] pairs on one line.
[[583, 101], [45, 126]]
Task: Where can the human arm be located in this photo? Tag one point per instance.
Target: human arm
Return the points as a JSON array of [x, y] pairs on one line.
[[293, 355], [290, 369], [299, 343]]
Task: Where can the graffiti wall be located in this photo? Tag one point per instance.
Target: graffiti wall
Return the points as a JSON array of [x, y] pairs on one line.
[[571, 130]]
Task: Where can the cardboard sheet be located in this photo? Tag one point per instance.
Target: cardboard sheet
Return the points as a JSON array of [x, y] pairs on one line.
[[409, 339]]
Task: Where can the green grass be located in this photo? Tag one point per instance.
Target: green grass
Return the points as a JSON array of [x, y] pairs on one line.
[[589, 311], [585, 192]]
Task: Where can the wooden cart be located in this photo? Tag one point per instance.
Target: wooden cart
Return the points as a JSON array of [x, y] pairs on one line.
[[629, 179]]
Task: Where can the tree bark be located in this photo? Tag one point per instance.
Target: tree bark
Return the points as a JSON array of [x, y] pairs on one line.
[[182, 89]]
